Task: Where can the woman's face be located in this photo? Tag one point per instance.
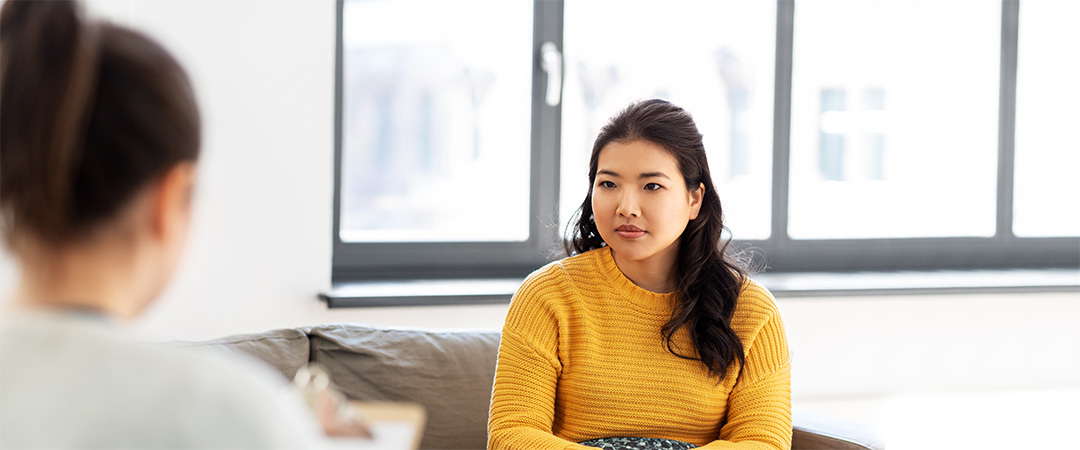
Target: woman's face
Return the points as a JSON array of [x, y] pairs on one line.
[[640, 202]]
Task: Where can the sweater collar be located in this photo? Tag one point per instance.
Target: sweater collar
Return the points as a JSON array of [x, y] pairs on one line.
[[627, 289]]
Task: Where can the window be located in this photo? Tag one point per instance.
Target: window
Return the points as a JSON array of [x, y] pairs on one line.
[[441, 172], [843, 135], [1047, 147], [426, 147], [893, 136]]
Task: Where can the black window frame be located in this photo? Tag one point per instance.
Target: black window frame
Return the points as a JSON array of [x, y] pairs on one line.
[[358, 262]]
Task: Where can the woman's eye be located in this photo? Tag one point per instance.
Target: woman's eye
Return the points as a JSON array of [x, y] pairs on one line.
[[652, 187], [607, 184]]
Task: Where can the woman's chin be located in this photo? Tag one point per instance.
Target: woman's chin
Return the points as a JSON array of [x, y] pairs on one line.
[[627, 252]]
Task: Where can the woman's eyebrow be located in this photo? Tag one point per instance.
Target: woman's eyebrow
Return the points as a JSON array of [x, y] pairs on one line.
[[607, 172], [653, 175]]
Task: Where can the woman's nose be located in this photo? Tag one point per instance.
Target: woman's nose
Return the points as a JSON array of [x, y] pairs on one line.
[[628, 206]]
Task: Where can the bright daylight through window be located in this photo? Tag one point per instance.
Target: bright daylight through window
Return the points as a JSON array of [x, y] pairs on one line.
[[436, 121], [892, 134], [1047, 201]]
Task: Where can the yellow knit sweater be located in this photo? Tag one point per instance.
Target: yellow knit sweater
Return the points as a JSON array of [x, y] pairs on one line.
[[582, 357]]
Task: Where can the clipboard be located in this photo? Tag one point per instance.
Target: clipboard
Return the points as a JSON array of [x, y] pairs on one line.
[[393, 425]]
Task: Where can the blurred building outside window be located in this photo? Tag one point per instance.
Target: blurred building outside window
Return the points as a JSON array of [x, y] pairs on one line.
[[893, 132], [436, 143]]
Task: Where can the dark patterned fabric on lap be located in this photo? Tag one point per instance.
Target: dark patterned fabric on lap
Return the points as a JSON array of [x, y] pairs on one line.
[[637, 443]]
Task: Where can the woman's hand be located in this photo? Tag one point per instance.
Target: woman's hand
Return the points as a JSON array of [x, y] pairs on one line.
[[338, 418]]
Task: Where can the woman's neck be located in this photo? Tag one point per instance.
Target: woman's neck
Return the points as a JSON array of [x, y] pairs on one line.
[[83, 279], [655, 274]]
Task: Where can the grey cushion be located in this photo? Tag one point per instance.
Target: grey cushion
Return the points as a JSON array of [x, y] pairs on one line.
[[287, 349], [449, 373]]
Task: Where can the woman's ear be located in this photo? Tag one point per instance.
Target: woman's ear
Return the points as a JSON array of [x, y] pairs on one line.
[[696, 197], [171, 201]]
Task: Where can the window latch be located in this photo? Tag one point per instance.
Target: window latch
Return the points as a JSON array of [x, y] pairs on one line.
[[551, 61]]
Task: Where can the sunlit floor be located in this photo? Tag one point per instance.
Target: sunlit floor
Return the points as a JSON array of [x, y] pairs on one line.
[[1021, 419]]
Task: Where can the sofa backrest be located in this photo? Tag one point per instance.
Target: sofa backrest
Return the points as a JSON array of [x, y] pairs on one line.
[[450, 373]]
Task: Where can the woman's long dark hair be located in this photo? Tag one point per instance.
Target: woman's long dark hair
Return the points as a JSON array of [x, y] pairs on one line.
[[92, 112], [709, 278]]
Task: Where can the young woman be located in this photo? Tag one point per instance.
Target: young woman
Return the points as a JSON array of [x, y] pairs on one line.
[[98, 146], [649, 330]]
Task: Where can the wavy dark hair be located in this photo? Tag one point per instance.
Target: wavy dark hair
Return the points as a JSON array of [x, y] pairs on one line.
[[709, 276]]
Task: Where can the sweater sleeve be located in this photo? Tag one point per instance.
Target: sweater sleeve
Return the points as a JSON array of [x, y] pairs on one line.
[[759, 406], [527, 371]]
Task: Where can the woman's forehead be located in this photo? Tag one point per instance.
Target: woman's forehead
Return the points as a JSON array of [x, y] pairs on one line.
[[632, 158]]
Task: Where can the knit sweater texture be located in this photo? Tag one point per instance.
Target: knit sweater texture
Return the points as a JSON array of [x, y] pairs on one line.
[[582, 357]]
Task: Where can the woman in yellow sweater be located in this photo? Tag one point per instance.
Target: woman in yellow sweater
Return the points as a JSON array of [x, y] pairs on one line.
[[650, 330]]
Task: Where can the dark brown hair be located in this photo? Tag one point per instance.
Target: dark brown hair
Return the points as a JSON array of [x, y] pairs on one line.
[[709, 278], [92, 112]]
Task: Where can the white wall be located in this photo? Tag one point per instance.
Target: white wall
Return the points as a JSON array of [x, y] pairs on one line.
[[260, 245], [261, 242]]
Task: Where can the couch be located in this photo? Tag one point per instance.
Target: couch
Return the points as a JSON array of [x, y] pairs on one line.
[[448, 372]]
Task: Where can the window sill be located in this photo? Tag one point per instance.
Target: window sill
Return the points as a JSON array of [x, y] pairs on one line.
[[486, 291], [921, 282], [421, 292]]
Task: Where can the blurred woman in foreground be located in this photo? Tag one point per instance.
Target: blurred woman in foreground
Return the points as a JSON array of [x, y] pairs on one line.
[[98, 148]]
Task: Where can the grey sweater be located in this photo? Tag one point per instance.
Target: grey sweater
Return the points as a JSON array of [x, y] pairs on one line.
[[69, 380]]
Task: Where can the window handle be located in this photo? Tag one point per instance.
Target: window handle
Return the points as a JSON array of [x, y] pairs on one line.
[[551, 62]]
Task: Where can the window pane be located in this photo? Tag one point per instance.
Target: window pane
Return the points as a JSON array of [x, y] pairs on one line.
[[715, 59], [436, 120], [1046, 200], [894, 118]]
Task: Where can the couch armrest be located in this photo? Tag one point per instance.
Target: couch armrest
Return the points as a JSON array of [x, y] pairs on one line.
[[815, 432]]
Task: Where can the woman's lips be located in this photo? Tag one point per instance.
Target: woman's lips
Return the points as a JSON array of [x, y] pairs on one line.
[[629, 232]]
